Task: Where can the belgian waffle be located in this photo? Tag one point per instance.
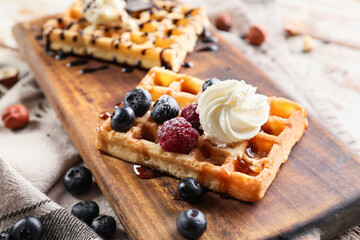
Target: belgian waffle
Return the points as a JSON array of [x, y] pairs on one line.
[[243, 170], [162, 35]]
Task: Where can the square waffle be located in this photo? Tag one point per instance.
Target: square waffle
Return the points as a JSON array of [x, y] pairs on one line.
[[243, 170], [161, 36]]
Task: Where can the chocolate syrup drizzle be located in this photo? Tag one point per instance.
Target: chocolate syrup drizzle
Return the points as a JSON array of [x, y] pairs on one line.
[[59, 20], [138, 64], [188, 13], [170, 32], [77, 62], [62, 35], [69, 25], [163, 62], [176, 196], [93, 39], [60, 55], [187, 64], [127, 69], [90, 70], [39, 37], [208, 48], [47, 40], [145, 172], [104, 115], [206, 36]]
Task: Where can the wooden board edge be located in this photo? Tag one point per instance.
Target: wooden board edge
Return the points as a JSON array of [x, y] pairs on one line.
[[317, 227]]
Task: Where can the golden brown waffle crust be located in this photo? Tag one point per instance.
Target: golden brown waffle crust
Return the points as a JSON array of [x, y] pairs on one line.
[[229, 170], [161, 38]]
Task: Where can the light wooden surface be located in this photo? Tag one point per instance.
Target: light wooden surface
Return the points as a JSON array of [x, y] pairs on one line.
[[333, 66], [307, 194]]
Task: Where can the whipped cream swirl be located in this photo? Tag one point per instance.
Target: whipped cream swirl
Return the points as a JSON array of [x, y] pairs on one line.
[[102, 11], [106, 12], [231, 111]]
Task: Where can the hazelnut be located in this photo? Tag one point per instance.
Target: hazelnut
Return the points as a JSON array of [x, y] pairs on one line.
[[223, 22], [8, 76], [309, 43], [256, 35], [16, 116], [293, 28]]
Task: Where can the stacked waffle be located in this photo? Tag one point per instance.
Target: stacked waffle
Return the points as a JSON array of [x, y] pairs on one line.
[[243, 170], [159, 36]]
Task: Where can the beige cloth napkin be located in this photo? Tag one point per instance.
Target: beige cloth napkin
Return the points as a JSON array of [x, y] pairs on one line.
[[19, 199], [42, 151]]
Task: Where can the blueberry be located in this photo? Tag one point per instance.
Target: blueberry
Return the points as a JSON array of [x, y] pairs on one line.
[[29, 228], [86, 211], [122, 119], [209, 82], [191, 224], [4, 236], [189, 189], [105, 226], [139, 100], [164, 109], [77, 180]]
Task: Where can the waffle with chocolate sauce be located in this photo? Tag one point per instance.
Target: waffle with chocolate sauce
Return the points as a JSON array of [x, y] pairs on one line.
[[242, 170], [161, 36]]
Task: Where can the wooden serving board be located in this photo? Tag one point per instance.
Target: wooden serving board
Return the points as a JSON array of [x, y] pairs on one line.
[[316, 193]]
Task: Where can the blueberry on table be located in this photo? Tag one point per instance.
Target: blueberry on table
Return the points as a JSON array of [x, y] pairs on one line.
[[191, 224], [189, 189], [164, 109], [77, 180], [4, 236], [209, 82], [29, 228], [105, 226], [139, 100], [122, 119], [86, 211]]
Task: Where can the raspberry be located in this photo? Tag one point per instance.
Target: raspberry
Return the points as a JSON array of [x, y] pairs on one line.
[[189, 113], [177, 135]]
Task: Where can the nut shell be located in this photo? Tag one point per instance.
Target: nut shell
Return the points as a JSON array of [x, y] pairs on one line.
[[8, 76], [15, 116], [308, 43], [257, 35], [293, 28], [223, 22]]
